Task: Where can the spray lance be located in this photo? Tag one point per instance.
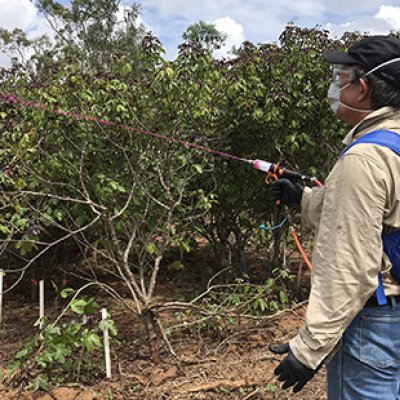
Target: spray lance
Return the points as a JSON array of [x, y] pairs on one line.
[[278, 171]]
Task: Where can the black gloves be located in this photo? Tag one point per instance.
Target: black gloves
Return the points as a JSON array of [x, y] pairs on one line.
[[287, 192], [293, 373]]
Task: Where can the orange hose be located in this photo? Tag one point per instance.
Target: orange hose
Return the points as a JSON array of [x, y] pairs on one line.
[[301, 250], [296, 238]]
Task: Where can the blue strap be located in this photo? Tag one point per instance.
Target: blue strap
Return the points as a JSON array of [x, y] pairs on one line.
[[390, 140], [391, 246], [381, 137], [380, 291]]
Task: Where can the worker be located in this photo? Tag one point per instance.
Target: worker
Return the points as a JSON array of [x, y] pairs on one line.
[[352, 323]]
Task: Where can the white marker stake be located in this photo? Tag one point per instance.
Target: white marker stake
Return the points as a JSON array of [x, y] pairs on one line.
[[1, 295], [41, 304], [106, 345]]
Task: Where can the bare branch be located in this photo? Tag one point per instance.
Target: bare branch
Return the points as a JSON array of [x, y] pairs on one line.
[[55, 196], [38, 255]]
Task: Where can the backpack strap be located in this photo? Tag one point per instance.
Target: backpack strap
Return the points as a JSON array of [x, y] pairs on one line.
[[380, 137], [391, 140]]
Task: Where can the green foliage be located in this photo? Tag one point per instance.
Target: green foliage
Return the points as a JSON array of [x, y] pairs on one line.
[[17, 45], [132, 178], [268, 103], [256, 299], [224, 307], [204, 35], [175, 266], [271, 388], [272, 107], [67, 352]]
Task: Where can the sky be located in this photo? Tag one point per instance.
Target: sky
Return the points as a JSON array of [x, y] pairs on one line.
[[258, 21]]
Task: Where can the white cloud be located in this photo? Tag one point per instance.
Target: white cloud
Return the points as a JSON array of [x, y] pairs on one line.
[[380, 22], [16, 14], [391, 15], [306, 8], [4, 60], [120, 14], [24, 15], [235, 35], [263, 21]]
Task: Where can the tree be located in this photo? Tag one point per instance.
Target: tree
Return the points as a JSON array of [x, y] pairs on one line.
[[122, 197], [19, 48], [92, 31], [204, 35]]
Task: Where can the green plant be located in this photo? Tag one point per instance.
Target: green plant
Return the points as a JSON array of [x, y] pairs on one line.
[[66, 352], [271, 388], [109, 394], [245, 298]]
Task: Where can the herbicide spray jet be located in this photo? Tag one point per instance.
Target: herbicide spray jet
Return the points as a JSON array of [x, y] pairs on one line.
[[273, 171]]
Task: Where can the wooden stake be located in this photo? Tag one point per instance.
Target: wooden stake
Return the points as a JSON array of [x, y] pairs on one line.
[[1, 295], [41, 304], [284, 252], [106, 344]]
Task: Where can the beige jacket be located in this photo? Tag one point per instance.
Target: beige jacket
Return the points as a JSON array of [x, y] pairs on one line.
[[361, 194]]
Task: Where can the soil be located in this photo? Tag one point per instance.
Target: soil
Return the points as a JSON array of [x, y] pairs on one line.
[[220, 364]]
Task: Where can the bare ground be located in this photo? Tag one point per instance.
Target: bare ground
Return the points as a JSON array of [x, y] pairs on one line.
[[232, 363], [237, 365]]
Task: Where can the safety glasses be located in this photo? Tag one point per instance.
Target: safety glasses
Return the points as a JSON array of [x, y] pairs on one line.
[[342, 76]]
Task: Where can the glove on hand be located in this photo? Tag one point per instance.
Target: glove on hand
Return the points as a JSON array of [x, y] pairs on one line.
[[287, 192], [293, 373]]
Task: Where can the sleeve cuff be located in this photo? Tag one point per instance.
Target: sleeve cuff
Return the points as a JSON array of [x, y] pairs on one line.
[[308, 357], [305, 203]]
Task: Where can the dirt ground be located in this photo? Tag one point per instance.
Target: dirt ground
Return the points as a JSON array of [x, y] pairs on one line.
[[232, 364]]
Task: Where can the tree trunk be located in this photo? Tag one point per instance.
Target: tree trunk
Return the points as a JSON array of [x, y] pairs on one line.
[[150, 323]]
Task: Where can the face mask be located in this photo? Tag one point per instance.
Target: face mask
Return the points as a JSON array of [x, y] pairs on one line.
[[334, 99], [334, 96]]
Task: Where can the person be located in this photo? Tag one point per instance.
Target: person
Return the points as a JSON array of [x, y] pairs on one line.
[[352, 323]]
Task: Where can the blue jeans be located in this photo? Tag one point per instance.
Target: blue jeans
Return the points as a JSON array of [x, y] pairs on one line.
[[367, 366]]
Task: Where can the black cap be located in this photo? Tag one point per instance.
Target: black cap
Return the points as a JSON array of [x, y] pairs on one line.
[[371, 52]]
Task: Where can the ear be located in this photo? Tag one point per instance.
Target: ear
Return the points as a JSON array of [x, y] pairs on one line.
[[364, 90]]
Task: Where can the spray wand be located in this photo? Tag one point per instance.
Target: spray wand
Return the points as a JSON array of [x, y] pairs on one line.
[[277, 171]]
